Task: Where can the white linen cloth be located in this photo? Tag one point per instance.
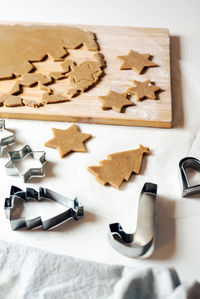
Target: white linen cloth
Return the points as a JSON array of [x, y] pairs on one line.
[[27, 272]]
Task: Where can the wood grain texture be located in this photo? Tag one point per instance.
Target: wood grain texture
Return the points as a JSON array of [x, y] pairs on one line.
[[113, 41]]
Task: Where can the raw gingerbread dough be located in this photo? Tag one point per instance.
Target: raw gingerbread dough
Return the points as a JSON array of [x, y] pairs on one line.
[[114, 100], [32, 79], [143, 90], [68, 140], [10, 101], [136, 61], [84, 75], [119, 166], [53, 98], [32, 103], [21, 45], [81, 77], [29, 80]]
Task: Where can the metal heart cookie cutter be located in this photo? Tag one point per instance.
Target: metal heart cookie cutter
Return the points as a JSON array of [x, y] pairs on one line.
[[15, 156], [188, 162], [6, 137], [74, 209], [141, 243]]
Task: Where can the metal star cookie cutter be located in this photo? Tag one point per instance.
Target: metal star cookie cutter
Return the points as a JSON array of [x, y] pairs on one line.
[[141, 243], [188, 162], [15, 156], [6, 137], [74, 209]]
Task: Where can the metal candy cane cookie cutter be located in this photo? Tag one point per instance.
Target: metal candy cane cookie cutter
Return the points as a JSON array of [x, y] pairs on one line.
[[6, 137], [141, 243], [188, 162], [74, 209], [16, 156]]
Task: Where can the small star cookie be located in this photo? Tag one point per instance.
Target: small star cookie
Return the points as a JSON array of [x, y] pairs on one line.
[[136, 61], [114, 100], [68, 140], [143, 90]]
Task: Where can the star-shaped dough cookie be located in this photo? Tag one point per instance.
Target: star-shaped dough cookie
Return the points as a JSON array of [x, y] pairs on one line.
[[143, 90], [114, 100], [136, 61], [68, 140]]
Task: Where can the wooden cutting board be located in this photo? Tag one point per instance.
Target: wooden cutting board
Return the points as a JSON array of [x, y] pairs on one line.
[[113, 41]]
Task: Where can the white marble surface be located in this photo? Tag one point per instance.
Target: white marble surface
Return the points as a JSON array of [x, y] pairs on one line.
[[178, 242]]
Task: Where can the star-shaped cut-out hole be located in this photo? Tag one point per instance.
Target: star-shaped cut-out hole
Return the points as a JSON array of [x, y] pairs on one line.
[[32, 96], [68, 140], [143, 90], [136, 61], [116, 101], [47, 64], [7, 85]]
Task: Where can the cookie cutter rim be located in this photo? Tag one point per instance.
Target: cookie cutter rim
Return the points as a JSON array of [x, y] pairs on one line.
[[8, 140], [188, 162], [74, 209], [141, 242], [21, 154]]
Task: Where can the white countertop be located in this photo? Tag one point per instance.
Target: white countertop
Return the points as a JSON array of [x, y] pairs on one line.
[[178, 242]]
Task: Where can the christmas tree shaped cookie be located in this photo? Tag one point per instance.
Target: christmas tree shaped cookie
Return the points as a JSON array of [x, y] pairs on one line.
[[119, 166]]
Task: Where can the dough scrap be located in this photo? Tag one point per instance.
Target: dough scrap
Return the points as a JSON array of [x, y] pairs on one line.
[[119, 166], [114, 100], [81, 77], [32, 103], [29, 80], [72, 92], [10, 100], [54, 98], [143, 90], [84, 75], [136, 61], [21, 45], [82, 72], [66, 141]]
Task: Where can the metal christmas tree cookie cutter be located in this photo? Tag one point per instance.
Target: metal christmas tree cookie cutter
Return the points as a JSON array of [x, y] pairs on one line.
[[74, 209], [188, 162], [140, 243], [15, 156], [6, 137]]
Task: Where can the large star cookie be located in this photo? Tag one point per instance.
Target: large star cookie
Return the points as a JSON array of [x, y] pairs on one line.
[[143, 90], [114, 100], [136, 61], [68, 140]]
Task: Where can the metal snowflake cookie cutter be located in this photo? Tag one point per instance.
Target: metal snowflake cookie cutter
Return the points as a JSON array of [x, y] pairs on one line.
[[188, 162], [140, 243], [6, 137], [74, 209], [16, 156]]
